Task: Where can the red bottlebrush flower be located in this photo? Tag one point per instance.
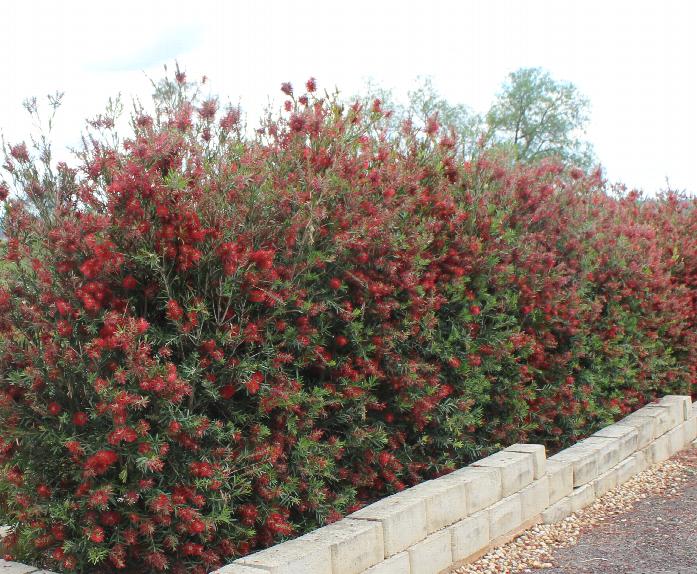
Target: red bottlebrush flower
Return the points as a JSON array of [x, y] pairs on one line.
[[95, 534], [100, 462], [335, 283], [109, 518], [254, 383], [20, 152], [296, 123], [129, 282], [208, 109], [231, 119], [174, 311], [43, 491], [474, 360], [54, 409], [4, 192], [287, 88], [475, 310], [201, 469], [277, 524], [196, 526], [341, 341], [311, 85], [227, 391], [454, 362]]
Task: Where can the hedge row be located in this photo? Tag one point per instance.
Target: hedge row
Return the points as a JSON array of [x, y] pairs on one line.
[[211, 342]]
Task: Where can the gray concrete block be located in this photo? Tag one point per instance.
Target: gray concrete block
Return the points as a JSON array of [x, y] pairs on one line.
[[645, 426], [627, 437], [560, 475], [504, 516], [469, 535], [677, 438], [397, 564], [684, 403], [446, 501], [432, 555], [292, 557], [658, 450], [605, 482], [690, 430], [483, 486], [626, 470], [583, 462], [661, 417], [607, 451], [517, 469], [16, 568], [668, 416], [581, 497], [534, 498], [640, 462], [538, 453], [355, 544], [403, 521], [557, 511], [235, 569]]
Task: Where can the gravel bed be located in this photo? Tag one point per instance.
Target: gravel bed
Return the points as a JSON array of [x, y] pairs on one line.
[[646, 526]]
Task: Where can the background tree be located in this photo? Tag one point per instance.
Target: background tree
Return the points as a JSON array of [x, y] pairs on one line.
[[533, 117], [536, 117]]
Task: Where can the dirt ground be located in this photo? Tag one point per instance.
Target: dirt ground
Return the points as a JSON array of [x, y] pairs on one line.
[[659, 536]]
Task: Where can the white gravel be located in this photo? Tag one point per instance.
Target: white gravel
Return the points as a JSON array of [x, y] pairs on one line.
[[533, 548]]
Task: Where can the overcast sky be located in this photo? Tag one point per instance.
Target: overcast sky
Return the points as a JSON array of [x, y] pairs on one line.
[[635, 60]]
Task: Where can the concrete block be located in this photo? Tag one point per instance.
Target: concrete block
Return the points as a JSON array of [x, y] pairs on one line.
[[659, 450], [627, 437], [677, 438], [446, 501], [662, 416], [483, 486], [684, 403], [292, 557], [581, 497], [583, 462], [534, 498], [690, 430], [640, 462], [605, 482], [668, 416], [403, 521], [607, 451], [561, 479], [557, 511], [517, 469], [233, 569], [469, 535], [16, 568], [432, 555], [355, 544], [645, 426], [626, 470], [397, 564], [538, 453], [504, 516]]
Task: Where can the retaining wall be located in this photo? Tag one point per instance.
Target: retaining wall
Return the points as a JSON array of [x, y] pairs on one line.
[[443, 523]]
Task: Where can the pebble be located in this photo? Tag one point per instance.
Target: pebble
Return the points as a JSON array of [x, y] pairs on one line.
[[534, 547]]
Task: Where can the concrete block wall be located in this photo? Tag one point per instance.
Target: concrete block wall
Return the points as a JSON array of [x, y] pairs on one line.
[[436, 526]]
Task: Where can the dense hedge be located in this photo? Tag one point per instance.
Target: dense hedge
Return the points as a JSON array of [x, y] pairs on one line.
[[210, 342]]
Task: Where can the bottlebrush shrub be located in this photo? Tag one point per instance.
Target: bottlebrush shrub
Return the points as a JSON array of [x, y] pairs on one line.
[[211, 342]]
